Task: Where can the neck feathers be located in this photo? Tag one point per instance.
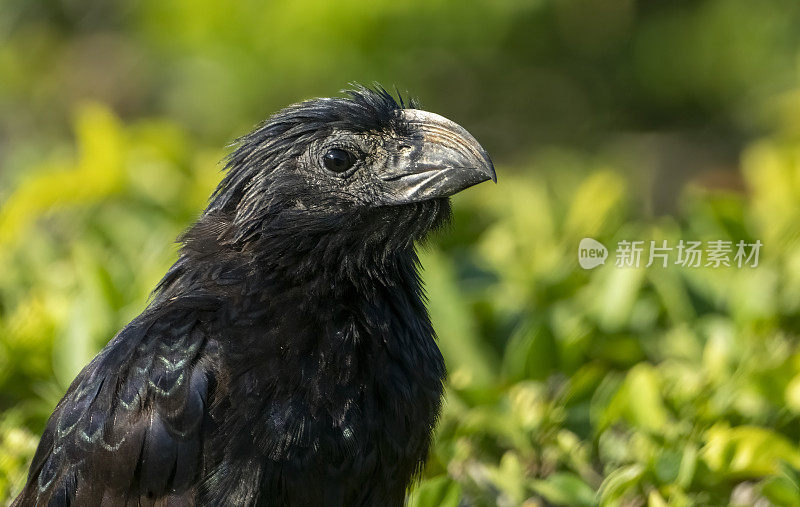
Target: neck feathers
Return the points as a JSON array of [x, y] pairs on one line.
[[332, 254]]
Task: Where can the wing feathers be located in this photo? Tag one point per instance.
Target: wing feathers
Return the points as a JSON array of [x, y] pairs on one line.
[[128, 430]]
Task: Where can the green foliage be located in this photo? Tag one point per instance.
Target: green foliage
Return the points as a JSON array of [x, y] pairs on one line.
[[619, 386], [571, 387], [17, 445], [126, 194], [657, 386]]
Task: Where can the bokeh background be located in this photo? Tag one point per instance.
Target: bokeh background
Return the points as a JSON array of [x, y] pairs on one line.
[[611, 119]]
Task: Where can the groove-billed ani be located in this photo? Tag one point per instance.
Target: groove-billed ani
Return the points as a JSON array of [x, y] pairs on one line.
[[287, 357]]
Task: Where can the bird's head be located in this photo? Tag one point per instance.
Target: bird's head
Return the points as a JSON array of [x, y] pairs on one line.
[[365, 165]]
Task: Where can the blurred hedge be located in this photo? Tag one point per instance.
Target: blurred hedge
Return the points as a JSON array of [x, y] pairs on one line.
[[610, 119], [672, 384]]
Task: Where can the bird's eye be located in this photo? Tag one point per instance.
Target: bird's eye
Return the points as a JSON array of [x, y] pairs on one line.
[[338, 160]]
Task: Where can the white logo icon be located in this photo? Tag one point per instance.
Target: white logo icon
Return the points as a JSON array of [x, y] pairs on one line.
[[591, 253]]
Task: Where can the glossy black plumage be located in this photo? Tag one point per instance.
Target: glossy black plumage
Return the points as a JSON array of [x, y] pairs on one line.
[[287, 357]]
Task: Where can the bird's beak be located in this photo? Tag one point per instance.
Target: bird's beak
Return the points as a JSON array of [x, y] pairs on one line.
[[438, 159]]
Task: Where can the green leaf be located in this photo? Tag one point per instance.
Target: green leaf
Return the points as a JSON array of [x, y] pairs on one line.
[[781, 491], [470, 362], [638, 401], [439, 491], [747, 451], [565, 488], [531, 353], [667, 466], [619, 483]]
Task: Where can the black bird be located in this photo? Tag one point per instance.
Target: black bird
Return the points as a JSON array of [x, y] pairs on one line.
[[287, 357]]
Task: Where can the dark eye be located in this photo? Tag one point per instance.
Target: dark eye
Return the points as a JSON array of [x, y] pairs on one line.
[[338, 160]]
